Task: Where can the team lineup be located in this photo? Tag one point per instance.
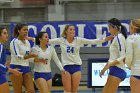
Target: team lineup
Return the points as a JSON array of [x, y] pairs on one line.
[[124, 49]]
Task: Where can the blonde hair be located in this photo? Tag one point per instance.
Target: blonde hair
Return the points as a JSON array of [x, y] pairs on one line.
[[136, 24], [65, 30]]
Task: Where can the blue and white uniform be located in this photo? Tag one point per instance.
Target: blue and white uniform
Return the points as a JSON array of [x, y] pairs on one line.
[[44, 70], [3, 68], [18, 51], [70, 51], [133, 54], [117, 52]]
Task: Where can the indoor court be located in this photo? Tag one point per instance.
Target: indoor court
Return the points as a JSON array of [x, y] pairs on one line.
[[76, 32]]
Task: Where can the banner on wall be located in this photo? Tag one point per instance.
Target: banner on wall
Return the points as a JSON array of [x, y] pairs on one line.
[[89, 30]]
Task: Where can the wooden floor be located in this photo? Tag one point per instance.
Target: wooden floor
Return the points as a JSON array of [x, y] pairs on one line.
[[82, 89]]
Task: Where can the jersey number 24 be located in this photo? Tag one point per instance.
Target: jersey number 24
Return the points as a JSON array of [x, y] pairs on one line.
[[70, 49]]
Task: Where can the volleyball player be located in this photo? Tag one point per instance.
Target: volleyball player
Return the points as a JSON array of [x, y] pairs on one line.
[[133, 55], [4, 87], [117, 54], [70, 47], [42, 73], [20, 58]]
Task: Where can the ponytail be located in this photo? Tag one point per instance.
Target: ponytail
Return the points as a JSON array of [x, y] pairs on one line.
[[123, 31]]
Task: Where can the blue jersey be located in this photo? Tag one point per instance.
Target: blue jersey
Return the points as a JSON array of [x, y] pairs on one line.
[[3, 68]]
